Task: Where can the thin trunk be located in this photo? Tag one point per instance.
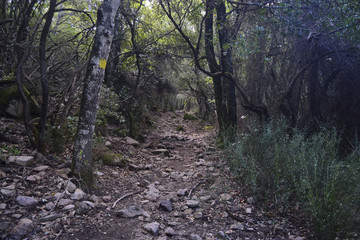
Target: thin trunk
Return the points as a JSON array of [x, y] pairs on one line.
[[82, 161], [44, 81]]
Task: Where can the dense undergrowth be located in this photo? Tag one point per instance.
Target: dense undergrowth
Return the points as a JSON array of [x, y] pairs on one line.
[[291, 168]]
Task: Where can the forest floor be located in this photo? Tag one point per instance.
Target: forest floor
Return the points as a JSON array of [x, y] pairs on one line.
[[176, 186]]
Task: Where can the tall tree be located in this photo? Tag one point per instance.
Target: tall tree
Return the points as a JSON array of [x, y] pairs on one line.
[[44, 81], [82, 161]]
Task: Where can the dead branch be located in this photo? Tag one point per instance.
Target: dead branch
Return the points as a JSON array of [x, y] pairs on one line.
[[125, 196]]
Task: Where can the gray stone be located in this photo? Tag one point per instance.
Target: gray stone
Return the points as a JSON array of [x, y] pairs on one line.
[[6, 226], [181, 192], [24, 161], [17, 215], [2, 206], [192, 203], [91, 204], [188, 211], [132, 211], [78, 194], [221, 234], [198, 215], [24, 227], [41, 168], [68, 207], [63, 202], [152, 228], [195, 237], [153, 193], [49, 206], [237, 226], [170, 232], [131, 141], [82, 208], [226, 197], [8, 192], [205, 198], [166, 205], [161, 151], [108, 144], [27, 201], [70, 186], [248, 210], [33, 178]]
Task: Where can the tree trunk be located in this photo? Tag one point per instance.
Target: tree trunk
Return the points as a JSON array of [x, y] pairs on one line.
[[226, 63], [212, 63], [44, 81], [82, 161]]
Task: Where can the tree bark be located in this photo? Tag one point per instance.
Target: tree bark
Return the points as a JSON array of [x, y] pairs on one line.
[[44, 81], [82, 161]]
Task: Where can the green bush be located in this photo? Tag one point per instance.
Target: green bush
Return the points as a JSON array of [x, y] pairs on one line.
[[288, 167]]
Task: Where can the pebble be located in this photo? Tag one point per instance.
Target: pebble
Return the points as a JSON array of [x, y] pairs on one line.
[[248, 210], [226, 197], [237, 226], [192, 203], [41, 168], [132, 211], [27, 201], [78, 194], [181, 192], [70, 186], [195, 237], [152, 228], [170, 232], [166, 205], [8, 191], [24, 227], [68, 207], [2, 206], [63, 202]]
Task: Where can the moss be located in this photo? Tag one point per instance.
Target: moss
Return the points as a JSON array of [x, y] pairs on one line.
[[188, 116], [180, 128], [7, 94], [209, 128], [111, 159]]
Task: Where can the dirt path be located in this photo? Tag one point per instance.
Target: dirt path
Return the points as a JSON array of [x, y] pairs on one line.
[[175, 187]]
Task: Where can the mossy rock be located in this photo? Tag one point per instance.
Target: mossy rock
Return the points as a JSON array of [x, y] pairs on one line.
[[180, 129], [111, 159], [10, 101], [188, 116]]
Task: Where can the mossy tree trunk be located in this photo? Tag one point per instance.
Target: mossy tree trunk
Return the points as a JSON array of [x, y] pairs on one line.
[[82, 160]]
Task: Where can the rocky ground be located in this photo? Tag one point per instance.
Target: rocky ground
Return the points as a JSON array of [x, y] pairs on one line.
[[175, 186]]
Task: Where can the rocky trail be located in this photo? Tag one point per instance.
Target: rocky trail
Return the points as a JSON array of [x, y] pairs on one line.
[[175, 186]]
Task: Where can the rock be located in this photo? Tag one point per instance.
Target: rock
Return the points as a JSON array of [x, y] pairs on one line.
[[195, 237], [250, 200], [170, 232], [166, 205], [248, 210], [106, 198], [2, 206], [91, 204], [41, 168], [181, 192], [70, 186], [132, 211], [24, 161], [188, 211], [153, 193], [8, 191], [5, 226], [24, 227], [63, 202], [198, 215], [78, 194], [205, 198], [33, 178], [63, 172], [68, 207], [161, 151], [27, 201], [221, 234], [152, 228], [192, 203], [131, 141], [49, 206], [108, 144], [237, 226], [17, 215], [81, 208], [226, 197]]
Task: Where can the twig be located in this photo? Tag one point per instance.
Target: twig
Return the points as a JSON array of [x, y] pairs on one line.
[[61, 195], [189, 195], [239, 219], [125, 196]]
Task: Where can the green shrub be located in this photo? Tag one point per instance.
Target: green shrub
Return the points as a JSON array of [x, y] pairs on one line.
[[287, 166]]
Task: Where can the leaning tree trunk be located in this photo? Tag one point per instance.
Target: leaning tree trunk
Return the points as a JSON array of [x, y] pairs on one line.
[[82, 161]]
